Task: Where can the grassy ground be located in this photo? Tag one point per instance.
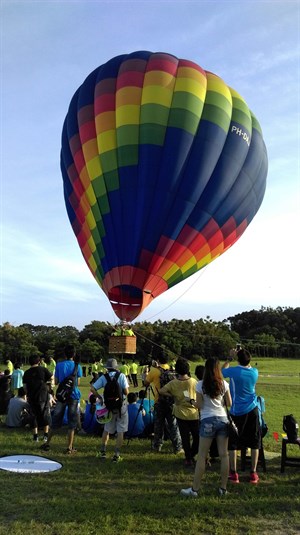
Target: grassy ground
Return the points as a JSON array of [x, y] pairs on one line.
[[141, 494]]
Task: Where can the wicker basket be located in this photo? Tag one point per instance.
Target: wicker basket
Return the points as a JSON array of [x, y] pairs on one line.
[[122, 345]]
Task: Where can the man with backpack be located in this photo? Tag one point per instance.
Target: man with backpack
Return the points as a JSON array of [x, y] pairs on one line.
[[116, 389], [67, 377], [159, 375]]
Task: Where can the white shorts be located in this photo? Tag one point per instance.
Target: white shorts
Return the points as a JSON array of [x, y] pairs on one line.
[[117, 424]]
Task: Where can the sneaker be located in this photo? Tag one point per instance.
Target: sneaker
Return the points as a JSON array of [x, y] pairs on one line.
[[234, 477], [177, 452], [45, 438], [222, 492], [116, 459], [189, 493], [157, 448], [101, 455], [254, 478], [35, 438]]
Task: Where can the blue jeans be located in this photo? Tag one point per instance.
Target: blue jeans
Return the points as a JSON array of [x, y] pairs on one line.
[[59, 411], [214, 426]]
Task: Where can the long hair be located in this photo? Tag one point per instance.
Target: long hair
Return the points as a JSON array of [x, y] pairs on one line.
[[212, 384]]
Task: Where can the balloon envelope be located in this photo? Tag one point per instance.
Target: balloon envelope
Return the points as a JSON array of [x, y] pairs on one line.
[[164, 167]]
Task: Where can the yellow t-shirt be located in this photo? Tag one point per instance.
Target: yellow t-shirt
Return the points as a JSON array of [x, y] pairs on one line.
[[124, 369], [51, 366], [10, 366], [153, 377], [134, 367], [182, 407]]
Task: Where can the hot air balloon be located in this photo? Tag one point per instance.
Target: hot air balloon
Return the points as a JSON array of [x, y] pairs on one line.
[[164, 166]]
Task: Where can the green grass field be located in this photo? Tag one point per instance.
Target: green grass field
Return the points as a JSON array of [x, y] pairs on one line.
[[141, 494]]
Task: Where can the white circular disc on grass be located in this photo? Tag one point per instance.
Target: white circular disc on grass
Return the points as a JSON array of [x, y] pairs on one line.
[[28, 464]]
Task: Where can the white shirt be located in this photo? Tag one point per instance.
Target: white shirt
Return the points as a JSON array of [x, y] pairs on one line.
[[212, 407]]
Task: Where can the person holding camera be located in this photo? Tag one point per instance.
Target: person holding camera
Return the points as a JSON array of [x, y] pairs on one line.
[[244, 411]]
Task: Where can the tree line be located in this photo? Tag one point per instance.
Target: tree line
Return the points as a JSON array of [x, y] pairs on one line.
[[266, 332]]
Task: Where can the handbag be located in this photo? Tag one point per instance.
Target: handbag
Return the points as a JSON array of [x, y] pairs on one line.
[[233, 432]]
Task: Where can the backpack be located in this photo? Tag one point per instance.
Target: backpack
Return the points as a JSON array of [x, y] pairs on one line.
[[112, 394], [165, 377], [66, 386], [290, 426], [261, 409]]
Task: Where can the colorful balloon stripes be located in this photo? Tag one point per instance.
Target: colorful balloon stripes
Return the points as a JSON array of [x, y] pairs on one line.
[[164, 167]]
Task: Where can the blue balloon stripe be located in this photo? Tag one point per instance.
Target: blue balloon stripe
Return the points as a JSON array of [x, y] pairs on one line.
[[164, 197]]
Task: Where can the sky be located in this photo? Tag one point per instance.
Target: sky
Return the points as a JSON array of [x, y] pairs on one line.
[[47, 50]]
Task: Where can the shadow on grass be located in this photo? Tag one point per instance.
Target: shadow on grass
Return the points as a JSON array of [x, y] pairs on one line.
[[139, 495]]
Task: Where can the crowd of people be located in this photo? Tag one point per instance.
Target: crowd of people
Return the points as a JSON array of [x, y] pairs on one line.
[[192, 413]]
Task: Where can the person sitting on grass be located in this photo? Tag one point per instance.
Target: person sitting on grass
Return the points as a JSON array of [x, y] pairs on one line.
[[148, 414], [16, 406], [136, 412], [5, 391]]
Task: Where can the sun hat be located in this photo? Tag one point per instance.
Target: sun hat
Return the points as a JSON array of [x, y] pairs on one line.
[[111, 364]]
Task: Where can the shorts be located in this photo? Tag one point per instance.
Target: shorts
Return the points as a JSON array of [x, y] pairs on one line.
[[249, 431], [214, 426], [117, 424], [59, 412], [41, 415]]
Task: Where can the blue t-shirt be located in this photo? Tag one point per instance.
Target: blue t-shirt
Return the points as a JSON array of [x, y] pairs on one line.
[[147, 406], [16, 379], [90, 423], [242, 388], [65, 368], [122, 380], [135, 420]]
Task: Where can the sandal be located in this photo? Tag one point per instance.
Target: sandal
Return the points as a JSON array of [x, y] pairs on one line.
[[70, 451]]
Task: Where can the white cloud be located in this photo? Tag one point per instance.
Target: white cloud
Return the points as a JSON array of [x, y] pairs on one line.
[[43, 268]]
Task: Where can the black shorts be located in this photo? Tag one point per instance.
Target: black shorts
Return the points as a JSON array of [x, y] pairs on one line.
[[249, 431], [41, 414]]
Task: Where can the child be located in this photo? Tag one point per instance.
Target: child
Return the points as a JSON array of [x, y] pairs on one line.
[[136, 424]]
